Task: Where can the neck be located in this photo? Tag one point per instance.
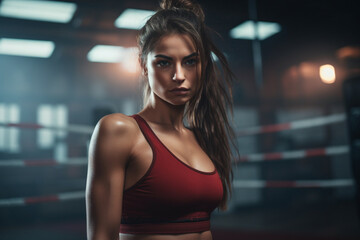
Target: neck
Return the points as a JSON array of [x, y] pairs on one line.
[[162, 113]]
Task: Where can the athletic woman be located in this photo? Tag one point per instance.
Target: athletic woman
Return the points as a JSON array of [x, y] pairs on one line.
[[160, 173]]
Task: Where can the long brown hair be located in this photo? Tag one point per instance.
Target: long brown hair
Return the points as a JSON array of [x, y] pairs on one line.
[[206, 112]]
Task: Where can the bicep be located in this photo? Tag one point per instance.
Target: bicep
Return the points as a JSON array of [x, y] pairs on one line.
[[108, 154]]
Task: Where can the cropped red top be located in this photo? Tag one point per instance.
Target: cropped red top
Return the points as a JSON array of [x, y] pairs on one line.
[[171, 197]]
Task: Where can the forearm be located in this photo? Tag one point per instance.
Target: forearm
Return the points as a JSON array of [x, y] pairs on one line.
[[101, 225], [101, 235]]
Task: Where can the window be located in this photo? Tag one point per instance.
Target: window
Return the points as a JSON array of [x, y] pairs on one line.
[[9, 136], [55, 117]]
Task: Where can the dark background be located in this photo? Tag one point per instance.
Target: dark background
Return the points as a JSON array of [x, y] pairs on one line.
[[313, 33]]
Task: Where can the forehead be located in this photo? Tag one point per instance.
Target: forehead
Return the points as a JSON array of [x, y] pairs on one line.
[[175, 43]]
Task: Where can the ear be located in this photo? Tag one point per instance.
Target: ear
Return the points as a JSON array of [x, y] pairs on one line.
[[143, 66], [145, 71]]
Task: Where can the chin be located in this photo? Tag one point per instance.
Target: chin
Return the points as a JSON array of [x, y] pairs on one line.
[[177, 103]]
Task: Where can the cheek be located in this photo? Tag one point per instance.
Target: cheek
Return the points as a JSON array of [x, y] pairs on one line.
[[157, 80]]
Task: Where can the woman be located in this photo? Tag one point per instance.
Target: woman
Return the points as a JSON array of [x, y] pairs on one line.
[[150, 176]]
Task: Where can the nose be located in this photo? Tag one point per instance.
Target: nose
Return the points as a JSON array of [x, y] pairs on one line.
[[179, 74]]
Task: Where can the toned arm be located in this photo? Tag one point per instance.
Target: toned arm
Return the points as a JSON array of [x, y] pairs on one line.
[[109, 150]]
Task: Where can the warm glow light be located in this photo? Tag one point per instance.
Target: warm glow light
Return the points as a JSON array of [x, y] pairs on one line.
[[128, 57], [327, 73], [131, 62]]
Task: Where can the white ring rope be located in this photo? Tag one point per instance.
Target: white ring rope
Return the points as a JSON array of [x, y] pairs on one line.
[[70, 128], [256, 157], [42, 162], [290, 155], [305, 123], [293, 184], [236, 184]]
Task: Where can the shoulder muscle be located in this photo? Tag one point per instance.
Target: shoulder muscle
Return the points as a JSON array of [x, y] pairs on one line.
[[111, 142]]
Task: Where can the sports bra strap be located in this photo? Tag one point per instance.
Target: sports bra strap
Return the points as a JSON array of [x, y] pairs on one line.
[[146, 130]]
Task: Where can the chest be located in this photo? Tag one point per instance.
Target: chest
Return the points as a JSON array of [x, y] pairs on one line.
[[171, 183], [186, 149], [170, 171]]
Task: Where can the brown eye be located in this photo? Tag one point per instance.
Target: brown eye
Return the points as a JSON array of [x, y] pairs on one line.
[[162, 63], [191, 62]]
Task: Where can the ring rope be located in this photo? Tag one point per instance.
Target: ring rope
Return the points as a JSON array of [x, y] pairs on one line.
[[299, 124], [42, 162], [305, 123], [256, 157], [293, 184], [70, 128], [40, 199], [236, 184], [289, 155], [319, 121]]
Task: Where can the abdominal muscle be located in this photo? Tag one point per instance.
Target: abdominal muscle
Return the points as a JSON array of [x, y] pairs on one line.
[[206, 235]]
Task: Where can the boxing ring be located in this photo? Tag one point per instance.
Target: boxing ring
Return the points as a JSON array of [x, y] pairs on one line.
[[248, 183], [80, 162]]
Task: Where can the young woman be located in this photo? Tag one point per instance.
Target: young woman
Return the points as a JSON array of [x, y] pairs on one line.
[[150, 176]]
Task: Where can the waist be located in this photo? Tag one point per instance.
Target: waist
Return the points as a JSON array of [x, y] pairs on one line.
[[158, 226]]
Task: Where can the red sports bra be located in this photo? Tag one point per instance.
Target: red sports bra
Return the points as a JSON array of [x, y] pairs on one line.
[[171, 197]]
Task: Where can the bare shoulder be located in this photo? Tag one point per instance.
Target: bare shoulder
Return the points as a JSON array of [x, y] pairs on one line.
[[116, 123], [113, 138]]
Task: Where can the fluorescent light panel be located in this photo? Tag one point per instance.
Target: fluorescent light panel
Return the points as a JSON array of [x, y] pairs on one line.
[[105, 53], [50, 11], [133, 18], [110, 54], [27, 48], [246, 30]]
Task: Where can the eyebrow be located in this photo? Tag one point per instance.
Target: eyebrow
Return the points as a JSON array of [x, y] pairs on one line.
[[170, 58]]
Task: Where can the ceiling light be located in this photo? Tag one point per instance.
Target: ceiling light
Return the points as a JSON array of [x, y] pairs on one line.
[[28, 48], [50, 11], [246, 30], [128, 57], [133, 18], [106, 53]]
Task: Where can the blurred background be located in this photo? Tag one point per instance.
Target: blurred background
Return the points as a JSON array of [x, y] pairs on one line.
[[65, 64]]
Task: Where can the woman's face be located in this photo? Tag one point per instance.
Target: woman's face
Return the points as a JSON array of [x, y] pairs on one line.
[[173, 63]]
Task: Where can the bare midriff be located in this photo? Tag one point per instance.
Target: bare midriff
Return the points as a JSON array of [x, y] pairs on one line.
[[206, 235]]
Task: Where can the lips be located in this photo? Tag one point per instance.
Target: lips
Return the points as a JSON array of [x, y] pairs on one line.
[[180, 89]]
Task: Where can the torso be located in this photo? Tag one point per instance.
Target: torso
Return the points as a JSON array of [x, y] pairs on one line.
[[185, 147]]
